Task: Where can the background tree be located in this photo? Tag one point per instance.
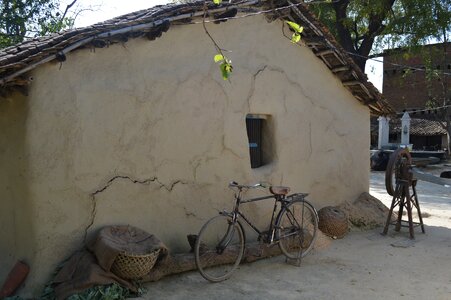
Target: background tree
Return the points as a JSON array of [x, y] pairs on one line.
[[367, 26], [20, 19]]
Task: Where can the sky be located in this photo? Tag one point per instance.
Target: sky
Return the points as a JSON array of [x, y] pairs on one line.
[[94, 11]]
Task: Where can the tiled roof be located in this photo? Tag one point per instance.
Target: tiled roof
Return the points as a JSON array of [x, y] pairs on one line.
[[17, 60], [419, 127]]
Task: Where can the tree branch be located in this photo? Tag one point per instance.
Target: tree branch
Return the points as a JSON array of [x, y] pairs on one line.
[[67, 9], [375, 28]]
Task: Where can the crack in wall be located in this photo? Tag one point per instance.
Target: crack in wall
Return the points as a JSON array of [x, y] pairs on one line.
[[93, 195], [292, 82], [330, 124], [110, 182], [191, 214], [225, 148], [195, 167], [252, 89], [92, 218], [284, 103], [310, 140], [303, 92], [340, 134], [221, 86]]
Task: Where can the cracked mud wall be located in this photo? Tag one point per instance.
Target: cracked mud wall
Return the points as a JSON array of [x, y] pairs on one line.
[[148, 134]]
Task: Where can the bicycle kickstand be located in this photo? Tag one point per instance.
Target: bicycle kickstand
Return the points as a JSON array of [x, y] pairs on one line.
[[295, 261]]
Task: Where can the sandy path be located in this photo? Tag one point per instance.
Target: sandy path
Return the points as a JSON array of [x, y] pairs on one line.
[[434, 199], [364, 265]]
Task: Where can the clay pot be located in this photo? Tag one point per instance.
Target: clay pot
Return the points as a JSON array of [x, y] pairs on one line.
[[15, 278]]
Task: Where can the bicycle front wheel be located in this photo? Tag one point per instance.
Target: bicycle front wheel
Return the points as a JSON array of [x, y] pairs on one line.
[[219, 248], [297, 225]]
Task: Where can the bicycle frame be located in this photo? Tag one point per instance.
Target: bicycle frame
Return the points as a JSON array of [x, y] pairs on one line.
[[236, 214], [285, 229]]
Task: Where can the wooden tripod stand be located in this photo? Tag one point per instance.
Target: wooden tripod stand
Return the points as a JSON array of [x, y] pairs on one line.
[[399, 168]]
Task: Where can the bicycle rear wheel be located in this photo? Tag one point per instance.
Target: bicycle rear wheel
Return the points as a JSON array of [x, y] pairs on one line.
[[297, 225], [219, 248]]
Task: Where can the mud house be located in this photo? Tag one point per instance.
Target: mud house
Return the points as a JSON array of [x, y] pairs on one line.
[[113, 124]]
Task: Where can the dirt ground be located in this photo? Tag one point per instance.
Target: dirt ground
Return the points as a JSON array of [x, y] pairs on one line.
[[363, 265]]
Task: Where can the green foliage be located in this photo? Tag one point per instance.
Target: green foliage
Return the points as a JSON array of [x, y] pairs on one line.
[[103, 292], [56, 25], [218, 58], [296, 37], [225, 65], [100, 292], [29, 18], [217, 2], [362, 26]]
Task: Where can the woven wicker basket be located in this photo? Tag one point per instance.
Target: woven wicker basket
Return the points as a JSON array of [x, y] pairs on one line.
[[333, 221], [130, 266]]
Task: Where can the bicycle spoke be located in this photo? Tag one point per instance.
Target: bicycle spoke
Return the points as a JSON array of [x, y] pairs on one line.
[[208, 259], [297, 229], [223, 242]]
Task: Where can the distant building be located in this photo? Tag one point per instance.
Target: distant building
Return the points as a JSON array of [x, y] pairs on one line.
[[424, 134], [407, 88]]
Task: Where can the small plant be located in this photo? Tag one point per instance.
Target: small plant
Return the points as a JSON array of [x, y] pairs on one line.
[[104, 292], [225, 65]]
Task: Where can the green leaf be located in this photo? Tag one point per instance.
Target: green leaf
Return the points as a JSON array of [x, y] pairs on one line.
[[296, 27], [217, 2], [218, 58], [226, 68], [295, 38]]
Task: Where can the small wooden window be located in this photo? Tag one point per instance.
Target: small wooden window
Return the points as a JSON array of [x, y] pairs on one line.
[[260, 133], [254, 133]]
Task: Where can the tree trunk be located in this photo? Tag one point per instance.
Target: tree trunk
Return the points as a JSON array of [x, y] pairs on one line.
[[360, 46]]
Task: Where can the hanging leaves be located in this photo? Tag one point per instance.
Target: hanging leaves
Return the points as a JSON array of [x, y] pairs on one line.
[[225, 65], [218, 58], [217, 2], [296, 37]]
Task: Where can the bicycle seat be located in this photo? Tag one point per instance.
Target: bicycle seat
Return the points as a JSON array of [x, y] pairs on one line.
[[279, 190]]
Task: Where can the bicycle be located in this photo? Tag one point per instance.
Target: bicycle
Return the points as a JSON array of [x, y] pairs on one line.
[[220, 243]]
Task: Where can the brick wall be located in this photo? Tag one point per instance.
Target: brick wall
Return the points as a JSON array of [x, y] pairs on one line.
[[406, 88]]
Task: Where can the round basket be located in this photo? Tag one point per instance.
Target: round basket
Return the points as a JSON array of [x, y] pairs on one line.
[[333, 221], [131, 266]]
